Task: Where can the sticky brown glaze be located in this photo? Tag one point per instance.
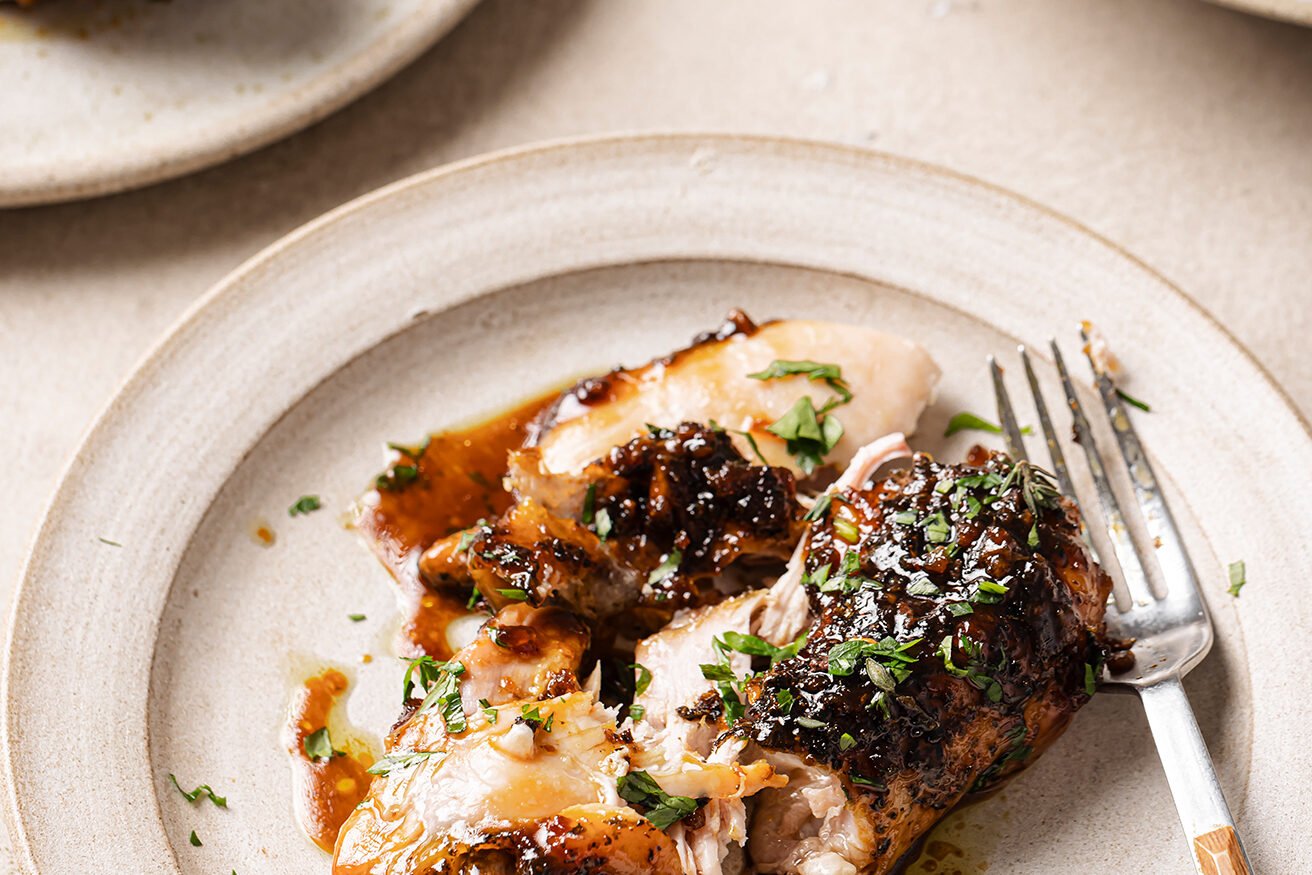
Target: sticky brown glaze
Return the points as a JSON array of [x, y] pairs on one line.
[[456, 481], [601, 843], [907, 756], [326, 791], [682, 494], [429, 492]]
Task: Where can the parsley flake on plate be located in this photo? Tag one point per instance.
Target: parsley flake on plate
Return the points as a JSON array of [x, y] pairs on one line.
[[663, 810]]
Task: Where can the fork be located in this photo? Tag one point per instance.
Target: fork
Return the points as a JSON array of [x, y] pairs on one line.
[[1171, 632]]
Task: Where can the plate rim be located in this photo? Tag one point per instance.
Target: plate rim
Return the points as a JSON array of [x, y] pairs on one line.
[[285, 113], [211, 301], [1286, 11]]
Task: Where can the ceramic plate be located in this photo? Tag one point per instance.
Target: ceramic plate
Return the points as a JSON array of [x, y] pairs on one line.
[[101, 97], [1297, 11], [453, 294]]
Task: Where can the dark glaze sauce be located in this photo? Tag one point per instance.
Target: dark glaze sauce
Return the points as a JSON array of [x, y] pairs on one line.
[[325, 791], [456, 482]]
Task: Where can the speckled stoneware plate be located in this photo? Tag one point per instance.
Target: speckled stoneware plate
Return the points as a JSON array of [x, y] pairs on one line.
[[455, 293], [99, 96], [1296, 11]]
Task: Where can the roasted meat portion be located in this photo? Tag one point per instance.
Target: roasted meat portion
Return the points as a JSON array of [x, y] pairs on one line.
[[640, 532], [956, 628], [508, 765]]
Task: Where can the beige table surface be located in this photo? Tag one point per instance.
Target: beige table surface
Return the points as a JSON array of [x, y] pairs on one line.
[[1181, 130]]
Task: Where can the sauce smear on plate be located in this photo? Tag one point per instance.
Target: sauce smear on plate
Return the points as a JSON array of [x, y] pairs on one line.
[[432, 490], [326, 791]]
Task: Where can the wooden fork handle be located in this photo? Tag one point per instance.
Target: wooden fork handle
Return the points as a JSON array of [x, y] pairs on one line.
[[1218, 853], [1216, 847]]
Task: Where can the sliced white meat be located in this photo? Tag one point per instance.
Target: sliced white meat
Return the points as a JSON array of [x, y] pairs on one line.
[[891, 378], [674, 657]]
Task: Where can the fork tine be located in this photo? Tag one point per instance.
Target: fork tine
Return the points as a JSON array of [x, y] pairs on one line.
[[1049, 433], [1171, 555], [1006, 415], [1055, 451], [1136, 580]]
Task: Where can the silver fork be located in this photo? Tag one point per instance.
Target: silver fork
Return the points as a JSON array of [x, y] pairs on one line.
[[1171, 633]]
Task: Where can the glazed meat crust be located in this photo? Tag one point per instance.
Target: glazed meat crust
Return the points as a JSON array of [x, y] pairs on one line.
[[638, 533], [984, 570]]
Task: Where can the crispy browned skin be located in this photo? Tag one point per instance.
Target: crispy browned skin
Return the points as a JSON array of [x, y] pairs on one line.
[[907, 756], [602, 843], [684, 493]]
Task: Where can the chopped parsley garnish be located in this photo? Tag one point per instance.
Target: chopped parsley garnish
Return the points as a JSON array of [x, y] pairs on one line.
[[397, 477], [305, 504], [905, 518], [751, 442], [784, 698], [820, 508], [356, 618], [721, 673], [602, 519], [203, 790], [663, 810], [810, 433], [318, 746], [974, 672], [415, 452], [440, 684], [830, 373], [922, 586], [403, 759], [987, 592], [880, 676], [866, 782], [644, 678], [846, 742], [754, 646], [937, 528], [1238, 577], [489, 712], [589, 505], [960, 609], [1132, 401], [1019, 750], [844, 657], [811, 723], [846, 530], [194, 839], [514, 595], [848, 579], [985, 480], [666, 569], [468, 535], [531, 716], [966, 421]]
